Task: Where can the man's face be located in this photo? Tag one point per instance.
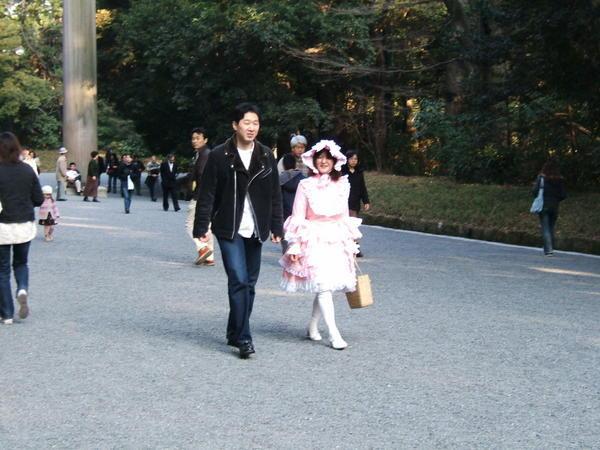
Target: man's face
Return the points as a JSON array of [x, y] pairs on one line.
[[298, 149], [172, 158], [153, 158], [72, 166], [198, 141], [127, 159], [247, 128]]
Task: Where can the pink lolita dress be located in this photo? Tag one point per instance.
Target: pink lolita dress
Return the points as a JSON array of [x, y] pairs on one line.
[[322, 233]]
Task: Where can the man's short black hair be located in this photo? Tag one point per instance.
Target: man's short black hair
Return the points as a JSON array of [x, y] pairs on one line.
[[243, 108], [94, 154], [199, 130]]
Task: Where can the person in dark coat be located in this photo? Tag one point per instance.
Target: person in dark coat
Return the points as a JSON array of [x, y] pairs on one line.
[[153, 169], [554, 192], [20, 192], [240, 199], [91, 183], [288, 180], [124, 174], [137, 168], [168, 178], [358, 187], [204, 250]]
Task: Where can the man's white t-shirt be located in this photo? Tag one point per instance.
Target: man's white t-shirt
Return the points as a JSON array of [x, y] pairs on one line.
[[247, 225]]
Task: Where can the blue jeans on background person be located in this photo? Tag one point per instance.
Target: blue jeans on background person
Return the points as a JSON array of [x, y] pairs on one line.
[[547, 221], [21, 271], [126, 193], [112, 183], [241, 259]]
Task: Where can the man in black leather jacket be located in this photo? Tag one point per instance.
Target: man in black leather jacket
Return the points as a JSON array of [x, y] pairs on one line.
[[241, 198]]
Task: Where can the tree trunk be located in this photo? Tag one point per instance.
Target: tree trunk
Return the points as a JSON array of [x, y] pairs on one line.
[[79, 77]]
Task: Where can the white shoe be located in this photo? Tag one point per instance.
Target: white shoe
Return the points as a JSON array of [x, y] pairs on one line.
[[7, 321], [338, 343], [313, 335], [22, 299]]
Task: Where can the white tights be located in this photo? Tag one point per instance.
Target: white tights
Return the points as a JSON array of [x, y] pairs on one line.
[[323, 305]]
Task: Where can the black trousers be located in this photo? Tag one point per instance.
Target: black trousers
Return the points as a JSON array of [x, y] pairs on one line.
[[170, 190]]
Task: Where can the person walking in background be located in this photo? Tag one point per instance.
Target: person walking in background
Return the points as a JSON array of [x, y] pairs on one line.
[[61, 175], [298, 145], [168, 177], [358, 187], [153, 169], [37, 161], [553, 184], [101, 168], [204, 250], [20, 192], [240, 200], [289, 180], [28, 159], [124, 174], [48, 214], [111, 171], [321, 236], [137, 168], [91, 182]]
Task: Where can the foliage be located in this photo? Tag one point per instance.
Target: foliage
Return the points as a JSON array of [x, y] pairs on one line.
[[30, 73], [117, 133], [500, 207], [480, 90]]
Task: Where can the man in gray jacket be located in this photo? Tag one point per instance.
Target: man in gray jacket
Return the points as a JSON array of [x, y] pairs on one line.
[[61, 175]]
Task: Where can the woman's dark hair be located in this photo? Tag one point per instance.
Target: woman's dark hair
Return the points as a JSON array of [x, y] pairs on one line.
[[10, 148], [334, 174], [240, 111], [551, 169], [94, 154], [289, 161]]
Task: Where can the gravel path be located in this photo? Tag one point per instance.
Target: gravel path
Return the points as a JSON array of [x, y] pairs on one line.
[[469, 345]]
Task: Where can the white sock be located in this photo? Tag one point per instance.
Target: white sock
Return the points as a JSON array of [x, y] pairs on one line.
[[313, 325], [326, 304]]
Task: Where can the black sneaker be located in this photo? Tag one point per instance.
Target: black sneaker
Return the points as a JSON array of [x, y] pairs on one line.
[[246, 349]]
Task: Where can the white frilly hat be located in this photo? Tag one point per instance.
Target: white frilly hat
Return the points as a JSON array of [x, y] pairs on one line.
[[324, 144], [46, 189]]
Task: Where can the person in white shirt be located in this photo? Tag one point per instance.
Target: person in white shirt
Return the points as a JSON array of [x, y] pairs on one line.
[[74, 177], [240, 199]]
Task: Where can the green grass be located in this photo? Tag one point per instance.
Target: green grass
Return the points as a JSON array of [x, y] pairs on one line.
[[485, 206]]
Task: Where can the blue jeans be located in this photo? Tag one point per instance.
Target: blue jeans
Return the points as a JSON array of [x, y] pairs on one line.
[[21, 271], [241, 259], [112, 183], [547, 221], [126, 195]]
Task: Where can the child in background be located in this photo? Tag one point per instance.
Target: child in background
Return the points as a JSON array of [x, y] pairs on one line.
[[48, 213]]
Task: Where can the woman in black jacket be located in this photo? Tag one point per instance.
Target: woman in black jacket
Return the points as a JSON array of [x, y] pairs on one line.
[[20, 192], [553, 184], [358, 187]]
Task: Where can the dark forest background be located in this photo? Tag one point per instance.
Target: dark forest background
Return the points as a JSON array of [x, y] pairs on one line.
[[479, 90]]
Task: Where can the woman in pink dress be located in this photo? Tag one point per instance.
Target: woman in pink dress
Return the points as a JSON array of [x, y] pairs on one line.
[[321, 237]]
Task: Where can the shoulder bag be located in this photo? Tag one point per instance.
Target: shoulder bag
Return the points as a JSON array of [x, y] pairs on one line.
[[538, 203]]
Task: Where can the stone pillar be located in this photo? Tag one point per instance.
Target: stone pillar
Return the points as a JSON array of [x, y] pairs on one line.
[[79, 78]]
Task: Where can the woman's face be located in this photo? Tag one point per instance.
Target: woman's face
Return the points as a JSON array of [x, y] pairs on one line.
[[324, 163], [353, 161]]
